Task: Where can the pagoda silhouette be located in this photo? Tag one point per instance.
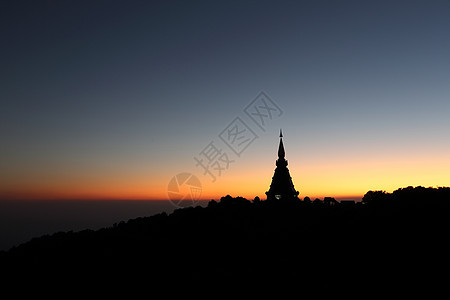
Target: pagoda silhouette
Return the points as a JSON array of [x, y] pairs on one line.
[[281, 187]]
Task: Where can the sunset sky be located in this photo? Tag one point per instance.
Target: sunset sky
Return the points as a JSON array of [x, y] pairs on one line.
[[112, 99]]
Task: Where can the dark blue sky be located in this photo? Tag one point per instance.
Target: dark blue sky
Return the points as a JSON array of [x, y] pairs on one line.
[[137, 88]]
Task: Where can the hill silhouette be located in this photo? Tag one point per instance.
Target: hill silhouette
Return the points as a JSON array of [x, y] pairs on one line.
[[383, 239]]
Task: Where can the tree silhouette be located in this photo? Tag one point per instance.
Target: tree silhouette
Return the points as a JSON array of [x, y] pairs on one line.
[[400, 234]]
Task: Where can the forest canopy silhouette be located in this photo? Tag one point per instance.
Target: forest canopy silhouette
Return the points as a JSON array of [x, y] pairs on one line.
[[403, 232]]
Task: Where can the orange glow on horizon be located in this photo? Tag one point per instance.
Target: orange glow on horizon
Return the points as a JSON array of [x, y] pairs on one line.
[[341, 178]]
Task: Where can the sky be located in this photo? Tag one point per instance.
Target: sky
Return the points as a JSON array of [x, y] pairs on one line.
[[116, 99]]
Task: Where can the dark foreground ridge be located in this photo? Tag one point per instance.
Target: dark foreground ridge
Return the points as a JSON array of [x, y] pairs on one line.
[[385, 238]]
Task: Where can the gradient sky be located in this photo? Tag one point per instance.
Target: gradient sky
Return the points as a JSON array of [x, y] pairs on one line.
[[111, 99]]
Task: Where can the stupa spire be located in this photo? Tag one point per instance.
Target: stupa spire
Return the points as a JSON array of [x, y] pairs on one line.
[[281, 152], [281, 187]]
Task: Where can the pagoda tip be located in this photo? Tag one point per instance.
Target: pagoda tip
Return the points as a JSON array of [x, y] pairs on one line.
[[281, 134]]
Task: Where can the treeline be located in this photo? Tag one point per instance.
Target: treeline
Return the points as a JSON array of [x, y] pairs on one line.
[[403, 232], [415, 196]]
